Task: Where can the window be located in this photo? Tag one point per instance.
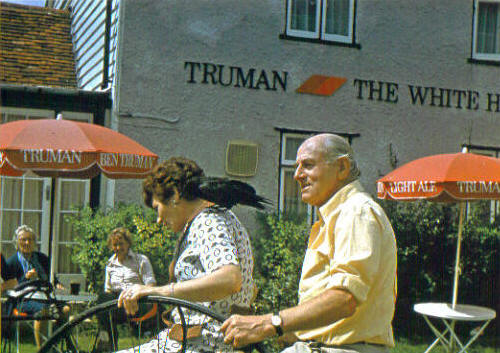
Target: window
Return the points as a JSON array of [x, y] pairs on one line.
[[328, 20], [486, 208], [290, 201], [23, 200], [486, 37]]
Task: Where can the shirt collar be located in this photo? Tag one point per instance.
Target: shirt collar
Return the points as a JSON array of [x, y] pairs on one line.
[[339, 197], [130, 255]]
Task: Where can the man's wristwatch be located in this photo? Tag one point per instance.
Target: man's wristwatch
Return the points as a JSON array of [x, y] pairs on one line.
[[276, 321]]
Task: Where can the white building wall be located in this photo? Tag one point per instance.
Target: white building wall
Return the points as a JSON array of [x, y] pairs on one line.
[[405, 43]]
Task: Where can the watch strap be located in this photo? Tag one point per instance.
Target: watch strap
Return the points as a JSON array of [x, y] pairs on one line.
[[277, 327]]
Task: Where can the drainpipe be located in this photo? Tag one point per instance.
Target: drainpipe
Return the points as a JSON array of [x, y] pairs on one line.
[[105, 62]]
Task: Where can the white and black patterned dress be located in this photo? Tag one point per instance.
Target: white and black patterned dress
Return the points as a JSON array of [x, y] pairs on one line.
[[214, 239]]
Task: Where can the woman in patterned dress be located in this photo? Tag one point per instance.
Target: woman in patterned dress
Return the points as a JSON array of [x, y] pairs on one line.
[[213, 261]]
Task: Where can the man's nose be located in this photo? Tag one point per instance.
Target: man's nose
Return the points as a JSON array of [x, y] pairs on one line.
[[298, 173]]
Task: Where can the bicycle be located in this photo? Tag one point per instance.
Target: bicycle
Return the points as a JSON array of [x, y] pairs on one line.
[[176, 320], [39, 290]]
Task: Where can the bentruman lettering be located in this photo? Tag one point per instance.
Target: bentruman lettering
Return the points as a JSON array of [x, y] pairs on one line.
[[235, 76], [126, 160], [51, 156]]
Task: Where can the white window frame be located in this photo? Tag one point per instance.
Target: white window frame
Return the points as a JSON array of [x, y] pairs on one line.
[[67, 278], [300, 33], [475, 53], [289, 165], [320, 27], [490, 152], [43, 237], [338, 37]]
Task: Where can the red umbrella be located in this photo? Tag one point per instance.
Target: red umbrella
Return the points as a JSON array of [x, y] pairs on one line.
[[65, 148], [445, 178]]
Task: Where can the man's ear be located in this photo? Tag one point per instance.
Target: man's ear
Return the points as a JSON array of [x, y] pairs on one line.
[[344, 168], [176, 196]]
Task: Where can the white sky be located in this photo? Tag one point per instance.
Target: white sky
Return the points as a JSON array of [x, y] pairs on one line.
[[27, 2]]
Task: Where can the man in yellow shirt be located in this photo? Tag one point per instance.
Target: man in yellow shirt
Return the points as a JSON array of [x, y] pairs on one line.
[[347, 289]]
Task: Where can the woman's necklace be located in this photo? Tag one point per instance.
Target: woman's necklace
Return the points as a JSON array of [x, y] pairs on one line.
[[197, 210]]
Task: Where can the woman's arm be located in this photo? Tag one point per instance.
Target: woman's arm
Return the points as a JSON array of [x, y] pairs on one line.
[[219, 284]]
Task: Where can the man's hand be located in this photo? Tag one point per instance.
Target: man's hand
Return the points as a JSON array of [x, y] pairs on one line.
[[240, 331]]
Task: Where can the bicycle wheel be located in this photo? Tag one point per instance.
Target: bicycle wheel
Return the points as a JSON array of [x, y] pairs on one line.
[[174, 326]]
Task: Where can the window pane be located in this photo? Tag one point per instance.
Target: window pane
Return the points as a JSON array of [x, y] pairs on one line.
[[72, 194], [65, 230], [292, 204], [337, 17], [65, 264], [8, 250], [33, 194], [34, 220], [11, 193], [487, 29], [10, 221], [304, 15], [291, 147]]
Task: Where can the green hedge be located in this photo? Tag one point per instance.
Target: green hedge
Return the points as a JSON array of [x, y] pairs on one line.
[[91, 229], [426, 234]]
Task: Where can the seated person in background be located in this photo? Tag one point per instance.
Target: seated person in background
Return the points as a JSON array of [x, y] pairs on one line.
[[25, 265], [8, 279], [124, 269]]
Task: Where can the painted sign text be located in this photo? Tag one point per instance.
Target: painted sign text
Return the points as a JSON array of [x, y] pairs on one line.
[[234, 76]]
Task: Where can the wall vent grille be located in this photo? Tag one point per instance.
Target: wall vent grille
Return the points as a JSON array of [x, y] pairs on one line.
[[241, 158]]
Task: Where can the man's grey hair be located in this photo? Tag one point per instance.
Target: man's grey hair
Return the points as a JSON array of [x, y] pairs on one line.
[[335, 146], [19, 230]]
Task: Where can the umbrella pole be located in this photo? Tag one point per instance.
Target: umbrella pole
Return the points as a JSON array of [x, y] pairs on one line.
[[457, 261]]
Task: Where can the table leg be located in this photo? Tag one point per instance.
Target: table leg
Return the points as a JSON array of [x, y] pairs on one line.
[[440, 335], [431, 347], [453, 335], [476, 335]]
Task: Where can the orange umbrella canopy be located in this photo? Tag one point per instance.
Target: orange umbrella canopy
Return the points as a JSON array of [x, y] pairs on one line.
[[443, 177], [65, 148]]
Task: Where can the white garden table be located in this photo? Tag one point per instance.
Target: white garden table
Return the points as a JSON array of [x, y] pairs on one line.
[[450, 315]]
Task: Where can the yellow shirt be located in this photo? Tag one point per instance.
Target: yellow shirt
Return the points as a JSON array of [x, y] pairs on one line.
[[352, 247]]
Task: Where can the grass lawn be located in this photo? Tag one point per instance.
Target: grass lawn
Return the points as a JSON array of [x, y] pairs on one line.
[[417, 345], [402, 346]]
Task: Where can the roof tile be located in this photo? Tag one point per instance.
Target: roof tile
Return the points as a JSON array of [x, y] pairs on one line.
[[36, 46]]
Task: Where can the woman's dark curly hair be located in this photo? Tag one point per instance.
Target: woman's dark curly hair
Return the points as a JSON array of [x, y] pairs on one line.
[[171, 174]]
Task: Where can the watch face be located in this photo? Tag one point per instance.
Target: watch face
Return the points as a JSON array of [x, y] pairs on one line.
[[276, 320]]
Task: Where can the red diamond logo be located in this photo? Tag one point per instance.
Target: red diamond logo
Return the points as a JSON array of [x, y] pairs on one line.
[[321, 85]]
